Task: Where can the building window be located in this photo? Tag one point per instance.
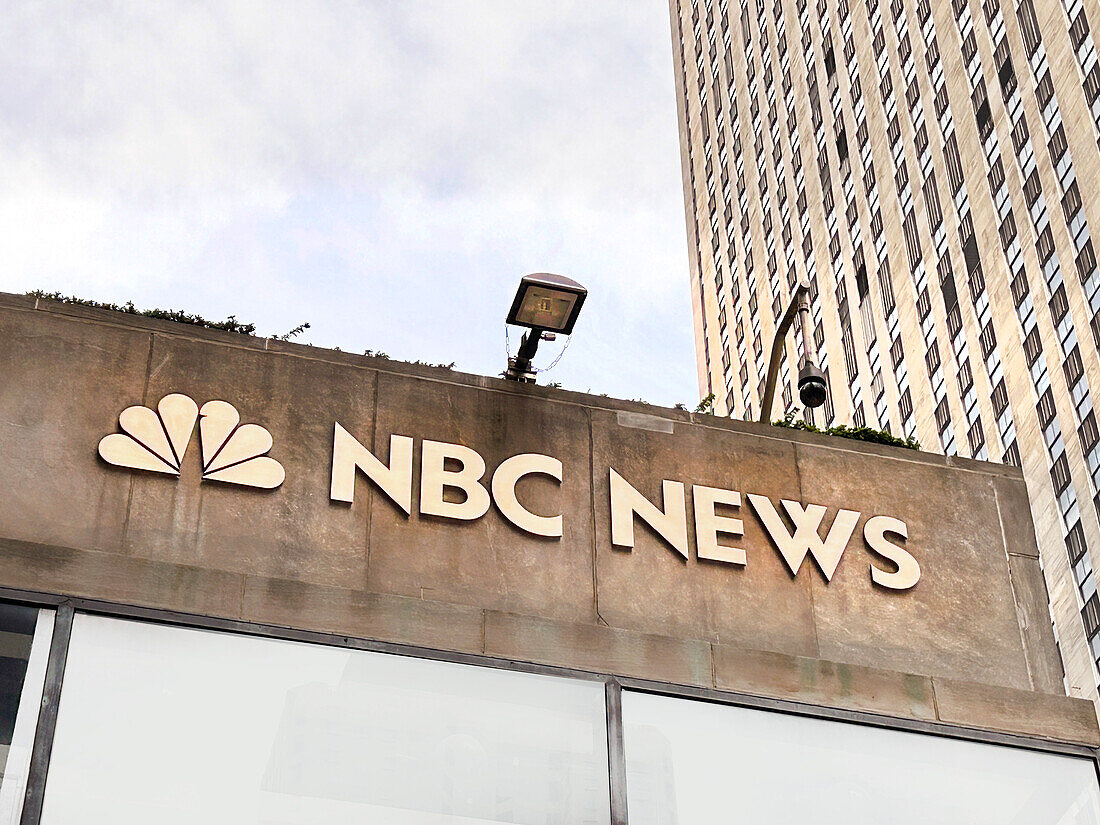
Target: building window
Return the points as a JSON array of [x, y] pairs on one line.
[[940, 102], [954, 163], [1079, 30], [1020, 136], [1000, 398], [849, 355], [932, 358], [966, 378], [976, 437], [893, 131], [924, 304], [1072, 367], [1075, 543], [1005, 73], [932, 198], [973, 265], [1033, 187], [1059, 473], [1029, 26], [912, 241], [1046, 409], [1007, 231], [686, 759], [1092, 83], [1033, 346], [984, 118], [229, 728], [1090, 614], [1086, 261], [896, 353], [1044, 245], [1088, 433], [988, 339], [954, 316], [26, 633], [1019, 288], [1071, 201], [943, 415], [886, 288], [905, 405], [1059, 306]]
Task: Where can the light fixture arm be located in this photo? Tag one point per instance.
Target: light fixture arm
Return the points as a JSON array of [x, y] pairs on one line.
[[800, 305], [519, 365]]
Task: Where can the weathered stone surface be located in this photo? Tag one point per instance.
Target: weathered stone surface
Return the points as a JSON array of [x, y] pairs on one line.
[[948, 624], [64, 383], [488, 562], [599, 649], [1030, 591], [1015, 513], [1016, 711], [113, 578], [293, 532], [814, 681], [363, 615], [651, 588]]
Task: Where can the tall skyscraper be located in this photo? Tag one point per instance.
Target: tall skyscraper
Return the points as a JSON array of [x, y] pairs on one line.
[[925, 166]]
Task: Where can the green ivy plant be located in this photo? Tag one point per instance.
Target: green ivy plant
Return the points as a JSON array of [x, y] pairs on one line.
[[706, 405], [844, 431]]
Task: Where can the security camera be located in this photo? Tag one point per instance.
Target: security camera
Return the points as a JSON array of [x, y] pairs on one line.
[[811, 386]]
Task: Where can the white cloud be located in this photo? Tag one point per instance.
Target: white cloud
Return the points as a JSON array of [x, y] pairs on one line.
[[383, 170]]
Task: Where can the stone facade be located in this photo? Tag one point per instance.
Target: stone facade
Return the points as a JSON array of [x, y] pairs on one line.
[[970, 644]]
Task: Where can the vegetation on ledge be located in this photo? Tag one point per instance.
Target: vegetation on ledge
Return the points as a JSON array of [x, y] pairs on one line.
[[844, 431], [230, 324]]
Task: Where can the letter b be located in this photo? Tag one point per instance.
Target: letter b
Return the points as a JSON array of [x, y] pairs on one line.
[[434, 478]]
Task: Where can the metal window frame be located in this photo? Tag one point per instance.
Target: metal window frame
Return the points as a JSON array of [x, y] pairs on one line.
[[67, 607]]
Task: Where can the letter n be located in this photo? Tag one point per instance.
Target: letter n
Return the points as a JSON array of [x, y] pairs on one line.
[[670, 523], [348, 455]]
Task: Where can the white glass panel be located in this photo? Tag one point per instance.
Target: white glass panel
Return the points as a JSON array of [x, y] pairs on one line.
[[170, 725], [25, 634], [698, 763]]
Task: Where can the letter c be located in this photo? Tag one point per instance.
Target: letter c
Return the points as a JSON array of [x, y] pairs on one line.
[[505, 478]]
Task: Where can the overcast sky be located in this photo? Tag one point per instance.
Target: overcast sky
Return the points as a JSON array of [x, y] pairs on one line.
[[384, 170]]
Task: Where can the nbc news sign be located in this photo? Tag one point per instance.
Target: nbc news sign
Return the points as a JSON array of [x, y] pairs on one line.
[[233, 453]]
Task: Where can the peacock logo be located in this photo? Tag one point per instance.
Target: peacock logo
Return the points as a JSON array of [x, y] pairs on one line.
[[232, 452]]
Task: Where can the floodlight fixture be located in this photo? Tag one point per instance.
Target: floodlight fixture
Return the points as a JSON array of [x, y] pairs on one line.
[[547, 305], [547, 302]]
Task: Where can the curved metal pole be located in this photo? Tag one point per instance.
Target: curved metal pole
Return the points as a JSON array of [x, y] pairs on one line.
[[800, 304]]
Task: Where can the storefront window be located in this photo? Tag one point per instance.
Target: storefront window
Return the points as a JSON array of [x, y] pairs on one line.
[[697, 763], [172, 725], [25, 634]]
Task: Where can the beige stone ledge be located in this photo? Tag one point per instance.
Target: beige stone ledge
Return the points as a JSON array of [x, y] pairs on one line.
[[599, 649], [1016, 711], [820, 682]]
